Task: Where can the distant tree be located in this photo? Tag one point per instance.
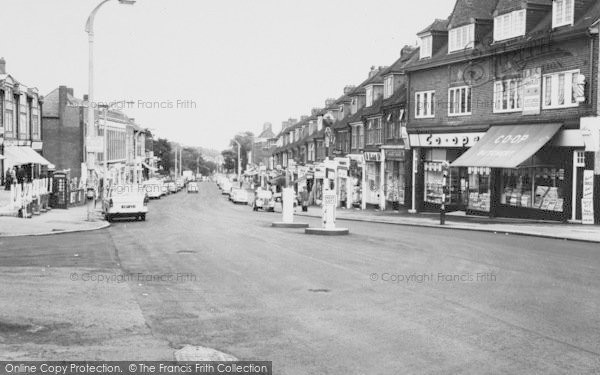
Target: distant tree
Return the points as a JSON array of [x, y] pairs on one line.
[[229, 160], [246, 139], [162, 150]]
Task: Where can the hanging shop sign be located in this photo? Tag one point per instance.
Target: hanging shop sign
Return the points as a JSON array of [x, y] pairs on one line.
[[372, 156], [445, 139], [532, 97]]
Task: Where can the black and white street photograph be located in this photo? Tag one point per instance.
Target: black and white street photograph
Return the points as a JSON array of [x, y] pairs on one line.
[[332, 187]]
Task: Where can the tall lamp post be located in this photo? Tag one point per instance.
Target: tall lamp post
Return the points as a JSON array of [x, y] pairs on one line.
[[90, 129], [239, 161]]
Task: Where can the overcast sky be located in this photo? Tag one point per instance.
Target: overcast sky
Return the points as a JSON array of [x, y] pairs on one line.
[[241, 62]]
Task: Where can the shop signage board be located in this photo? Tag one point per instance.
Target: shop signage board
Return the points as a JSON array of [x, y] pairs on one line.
[[372, 156], [532, 96], [445, 139], [587, 202], [394, 154]]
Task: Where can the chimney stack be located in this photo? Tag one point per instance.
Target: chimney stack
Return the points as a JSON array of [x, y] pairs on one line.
[[373, 71], [2, 66], [348, 89], [70, 91], [406, 50]]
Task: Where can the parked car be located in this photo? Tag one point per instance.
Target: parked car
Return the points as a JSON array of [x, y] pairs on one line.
[[154, 188], [171, 186], [263, 199], [192, 187], [180, 183], [226, 187], [125, 201], [239, 195]]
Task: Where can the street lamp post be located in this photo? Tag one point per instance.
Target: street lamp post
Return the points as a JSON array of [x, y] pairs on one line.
[[90, 129], [239, 170]]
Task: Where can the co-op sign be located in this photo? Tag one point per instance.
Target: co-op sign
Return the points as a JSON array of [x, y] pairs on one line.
[[511, 138]]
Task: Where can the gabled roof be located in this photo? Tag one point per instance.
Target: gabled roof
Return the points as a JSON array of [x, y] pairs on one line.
[[542, 31], [467, 10], [438, 25], [397, 98]]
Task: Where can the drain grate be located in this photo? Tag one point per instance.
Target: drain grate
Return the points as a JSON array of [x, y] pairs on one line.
[[319, 290]]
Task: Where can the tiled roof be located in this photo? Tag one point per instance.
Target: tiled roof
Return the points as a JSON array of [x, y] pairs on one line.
[[398, 97], [399, 65], [505, 6], [541, 31], [437, 25], [466, 10]]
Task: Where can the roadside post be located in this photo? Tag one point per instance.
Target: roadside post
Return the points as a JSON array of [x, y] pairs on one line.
[[287, 210], [445, 193], [328, 213]]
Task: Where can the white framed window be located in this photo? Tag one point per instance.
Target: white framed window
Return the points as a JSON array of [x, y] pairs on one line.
[[426, 46], [459, 101], [461, 38], [369, 93], [508, 95], [388, 87], [509, 25], [560, 89], [562, 12], [354, 105], [425, 104]]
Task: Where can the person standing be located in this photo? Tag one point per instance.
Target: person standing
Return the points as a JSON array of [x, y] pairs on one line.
[[304, 199]]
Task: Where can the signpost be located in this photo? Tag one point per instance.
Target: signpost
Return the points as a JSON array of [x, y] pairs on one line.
[[328, 213]]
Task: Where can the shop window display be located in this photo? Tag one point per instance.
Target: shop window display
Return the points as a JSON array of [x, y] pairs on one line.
[[540, 187], [395, 181], [479, 189], [433, 168]]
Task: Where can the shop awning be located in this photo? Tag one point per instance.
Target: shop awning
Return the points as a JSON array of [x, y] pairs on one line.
[[507, 146], [24, 155], [149, 167]]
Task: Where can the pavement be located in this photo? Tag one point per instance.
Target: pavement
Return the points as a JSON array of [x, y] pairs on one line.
[[545, 229], [386, 299], [52, 222]]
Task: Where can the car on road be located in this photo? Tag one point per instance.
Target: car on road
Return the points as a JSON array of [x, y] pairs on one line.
[[192, 187], [226, 187], [263, 199], [171, 186], [125, 201], [180, 183], [154, 188], [239, 195]]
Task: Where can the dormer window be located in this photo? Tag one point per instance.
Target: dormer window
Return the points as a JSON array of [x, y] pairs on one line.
[[388, 87], [461, 38], [369, 91], [426, 43], [354, 105], [509, 25], [562, 12]]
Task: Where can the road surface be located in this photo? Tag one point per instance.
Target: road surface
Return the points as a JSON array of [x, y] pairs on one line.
[[385, 300]]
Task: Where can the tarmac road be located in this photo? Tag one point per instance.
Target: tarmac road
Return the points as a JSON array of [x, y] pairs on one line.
[[385, 300]]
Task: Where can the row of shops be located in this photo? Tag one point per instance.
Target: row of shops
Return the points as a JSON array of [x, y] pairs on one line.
[[532, 171]]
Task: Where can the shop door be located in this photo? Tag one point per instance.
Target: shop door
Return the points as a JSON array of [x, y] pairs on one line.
[[373, 182], [579, 193]]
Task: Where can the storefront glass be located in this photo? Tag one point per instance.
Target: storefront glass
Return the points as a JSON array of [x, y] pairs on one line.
[[434, 159], [479, 189], [539, 187], [355, 179], [395, 181]]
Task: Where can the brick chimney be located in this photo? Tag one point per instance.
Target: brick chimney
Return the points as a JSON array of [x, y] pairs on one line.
[[348, 89], [406, 50], [2, 66], [373, 71], [70, 91], [62, 99], [329, 102]]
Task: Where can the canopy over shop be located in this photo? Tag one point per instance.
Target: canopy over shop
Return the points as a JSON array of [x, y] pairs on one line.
[[514, 170]]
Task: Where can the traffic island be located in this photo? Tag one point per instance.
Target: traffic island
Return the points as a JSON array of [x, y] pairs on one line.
[[282, 224], [327, 232]]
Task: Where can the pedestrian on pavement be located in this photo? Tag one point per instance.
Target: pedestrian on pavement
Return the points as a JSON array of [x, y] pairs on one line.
[[304, 199], [8, 179]]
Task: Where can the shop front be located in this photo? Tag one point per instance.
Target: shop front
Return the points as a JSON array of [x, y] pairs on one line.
[[396, 176], [343, 184], [373, 189], [517, 171], [354, 182], [432, 153]]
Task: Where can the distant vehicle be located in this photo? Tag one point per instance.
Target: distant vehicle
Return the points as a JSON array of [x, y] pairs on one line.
[[187, 175], [125, 201], [192, 187], [226, 186], [171, 186], [239, 195], [263, 199], [180, 183], [154, 188]]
